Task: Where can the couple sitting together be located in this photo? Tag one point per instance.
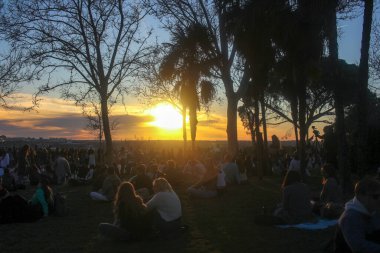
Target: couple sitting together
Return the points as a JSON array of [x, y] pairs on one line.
[[134, 219]]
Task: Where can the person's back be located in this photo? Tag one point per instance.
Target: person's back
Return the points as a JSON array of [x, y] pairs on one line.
[[133, 219], [296, 201], [331, 191], [167, 205], [61, 169], [110, 185], [232, 174]]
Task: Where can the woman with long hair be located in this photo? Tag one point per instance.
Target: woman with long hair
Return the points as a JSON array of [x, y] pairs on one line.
[[130, 220]]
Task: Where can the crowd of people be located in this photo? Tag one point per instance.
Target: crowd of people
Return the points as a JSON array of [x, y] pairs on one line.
[[143, 186]]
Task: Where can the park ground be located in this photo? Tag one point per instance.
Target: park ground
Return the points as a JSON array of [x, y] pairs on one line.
[[222, 224]]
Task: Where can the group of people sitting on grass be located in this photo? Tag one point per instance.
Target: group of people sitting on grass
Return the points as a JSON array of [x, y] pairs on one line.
[[358, 227], [144, 201], [15, 208]]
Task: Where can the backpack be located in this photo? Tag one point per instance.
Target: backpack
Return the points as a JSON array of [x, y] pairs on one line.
[[60, 208]]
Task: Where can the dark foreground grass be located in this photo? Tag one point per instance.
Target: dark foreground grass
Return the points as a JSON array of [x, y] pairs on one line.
[[223, 224]]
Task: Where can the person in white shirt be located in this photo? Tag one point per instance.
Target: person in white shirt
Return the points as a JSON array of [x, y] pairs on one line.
[[166, 207]]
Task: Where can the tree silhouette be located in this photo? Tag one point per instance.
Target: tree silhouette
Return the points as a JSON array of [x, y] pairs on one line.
[[188, 60], [362, 103], [174, 13], [84, 48]]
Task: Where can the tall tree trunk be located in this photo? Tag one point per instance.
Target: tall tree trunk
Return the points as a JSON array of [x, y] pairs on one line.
[[263, 117], [193, 125], [294, 112], [266, 160], [302, 121], [184, 132], [100, 130], [107, 130], [362, 149], [259, 141], [232, 138], [343, 165]]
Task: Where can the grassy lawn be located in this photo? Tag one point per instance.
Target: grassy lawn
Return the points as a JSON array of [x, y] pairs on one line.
[[223, 224]]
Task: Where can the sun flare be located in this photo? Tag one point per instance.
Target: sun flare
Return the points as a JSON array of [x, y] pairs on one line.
[[166, 117]]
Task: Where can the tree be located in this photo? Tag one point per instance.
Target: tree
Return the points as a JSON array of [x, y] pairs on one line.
[[174, 13], [92, 112], [13, 74], [299, 38], [84, 48], [362, 103], [190, 58]]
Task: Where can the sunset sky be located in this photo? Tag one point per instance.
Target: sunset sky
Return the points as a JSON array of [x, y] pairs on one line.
[[58, 118]]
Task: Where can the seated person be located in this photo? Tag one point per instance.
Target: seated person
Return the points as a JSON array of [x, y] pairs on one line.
[[212, 184], [295, 205], [331, 197], [356, 231], [231, 170], [172, 173], [166, 207], [195, 169], [8, 181], [109, 187], [142, 182], [130, 219]]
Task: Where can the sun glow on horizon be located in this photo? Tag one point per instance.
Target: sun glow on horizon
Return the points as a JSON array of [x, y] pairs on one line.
[[166, 117]]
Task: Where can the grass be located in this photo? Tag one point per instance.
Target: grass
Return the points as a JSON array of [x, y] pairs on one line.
[[223, 224]]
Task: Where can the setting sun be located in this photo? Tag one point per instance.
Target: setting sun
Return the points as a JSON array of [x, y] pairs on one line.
[[166, 116]]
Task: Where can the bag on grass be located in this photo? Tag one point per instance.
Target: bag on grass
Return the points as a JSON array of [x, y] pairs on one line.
[[60, 206]]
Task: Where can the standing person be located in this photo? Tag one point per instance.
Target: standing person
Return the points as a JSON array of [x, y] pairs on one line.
[[91, 159], [166, 207], [23, 165], [356, 228], [109, 187], [130, 219], [61, 169]]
